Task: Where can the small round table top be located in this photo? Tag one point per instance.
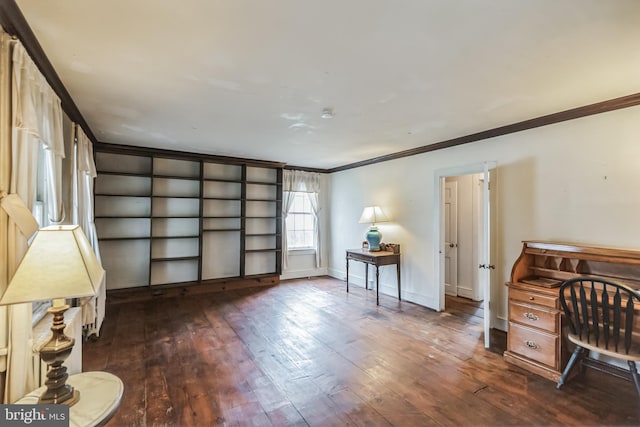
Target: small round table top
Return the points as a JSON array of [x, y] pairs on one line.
[[100, 395]]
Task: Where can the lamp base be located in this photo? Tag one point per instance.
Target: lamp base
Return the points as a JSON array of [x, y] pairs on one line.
[[70, 398], [374, 237], [54, 353]]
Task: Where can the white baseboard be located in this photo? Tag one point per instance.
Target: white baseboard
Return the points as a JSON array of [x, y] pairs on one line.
[[390, 289], [337, 274], [501, 324], [299, 274]]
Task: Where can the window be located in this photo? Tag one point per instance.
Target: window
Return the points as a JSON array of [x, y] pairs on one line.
[[43, 199], [39, 308], [300, 223]]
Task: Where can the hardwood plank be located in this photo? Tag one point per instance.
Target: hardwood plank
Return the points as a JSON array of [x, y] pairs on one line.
[[306, 353]]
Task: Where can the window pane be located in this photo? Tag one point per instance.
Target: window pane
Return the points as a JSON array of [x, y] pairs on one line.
[[308, 238], [290, 222], [308, 222], [297, 222], [298, 239], [300, 222]]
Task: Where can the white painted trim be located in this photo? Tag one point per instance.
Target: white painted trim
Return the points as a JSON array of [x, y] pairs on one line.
[[337, 274], [438, 223], [301, 251], [386, 288], [501, 324], [299, 274], [354, 279], [438, 220]]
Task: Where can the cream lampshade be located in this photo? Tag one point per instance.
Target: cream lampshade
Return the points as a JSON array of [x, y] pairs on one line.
[[59, 263], [372, 215]]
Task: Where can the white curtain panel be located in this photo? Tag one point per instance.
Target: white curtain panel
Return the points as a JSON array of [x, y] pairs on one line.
[[305, 182], [83, 215], [52, 138], [287, 202], [315, 206], [85, 176], [45, 121], [35, 117], [5, 176]]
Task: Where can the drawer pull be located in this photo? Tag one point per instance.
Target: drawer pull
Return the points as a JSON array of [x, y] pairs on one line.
[[531, 298], [530, 316], [531, 344]]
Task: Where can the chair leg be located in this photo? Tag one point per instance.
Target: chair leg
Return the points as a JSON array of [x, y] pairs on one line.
[[634, 375], [577, 354]]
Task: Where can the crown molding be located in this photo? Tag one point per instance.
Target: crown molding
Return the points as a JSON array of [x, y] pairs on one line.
[[14, 23], [562, 116]]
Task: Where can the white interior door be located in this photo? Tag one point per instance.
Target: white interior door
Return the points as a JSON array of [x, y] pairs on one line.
[[451, 237], [486, 266]]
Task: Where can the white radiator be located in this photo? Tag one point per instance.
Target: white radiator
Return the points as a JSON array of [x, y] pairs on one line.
[[93, 310]]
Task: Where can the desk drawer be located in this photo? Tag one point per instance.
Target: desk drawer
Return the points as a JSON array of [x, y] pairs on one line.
[[534, 344], [534, 298], [362, 257], [537, 317]]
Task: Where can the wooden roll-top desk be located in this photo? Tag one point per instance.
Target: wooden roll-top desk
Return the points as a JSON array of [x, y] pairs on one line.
[[534, 338]]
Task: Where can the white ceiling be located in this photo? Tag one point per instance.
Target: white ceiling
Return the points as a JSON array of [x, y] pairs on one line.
[[251, 78]]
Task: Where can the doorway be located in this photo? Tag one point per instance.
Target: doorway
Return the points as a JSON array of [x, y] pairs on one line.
[[483, 173], [462, 231]]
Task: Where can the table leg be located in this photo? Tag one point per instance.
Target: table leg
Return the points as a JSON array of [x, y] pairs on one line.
[[377, 286], [366, 276], [347, 275], [398, 268]]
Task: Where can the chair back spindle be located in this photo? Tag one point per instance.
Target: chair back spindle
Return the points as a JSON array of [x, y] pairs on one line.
[[601, 318], [600, 312]]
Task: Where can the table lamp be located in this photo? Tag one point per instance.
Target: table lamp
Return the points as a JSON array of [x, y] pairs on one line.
[[372, 215], [59, 263]]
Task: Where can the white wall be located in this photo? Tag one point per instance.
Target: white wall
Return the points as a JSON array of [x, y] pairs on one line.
[[303, 263], [576, 181]]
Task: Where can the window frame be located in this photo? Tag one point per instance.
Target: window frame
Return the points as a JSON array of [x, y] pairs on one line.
[[301, 249]]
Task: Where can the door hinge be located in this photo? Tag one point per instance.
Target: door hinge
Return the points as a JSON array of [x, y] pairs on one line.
[[490, 266]]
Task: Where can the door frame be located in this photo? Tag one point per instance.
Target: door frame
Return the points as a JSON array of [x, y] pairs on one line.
[[452, 216], [438, 228]]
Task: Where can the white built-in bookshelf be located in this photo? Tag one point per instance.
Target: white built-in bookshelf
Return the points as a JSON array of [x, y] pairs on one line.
[[174, 218]]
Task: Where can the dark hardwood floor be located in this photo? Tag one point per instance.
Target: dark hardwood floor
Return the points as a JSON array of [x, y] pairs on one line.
[[473, 312], [307, 353]]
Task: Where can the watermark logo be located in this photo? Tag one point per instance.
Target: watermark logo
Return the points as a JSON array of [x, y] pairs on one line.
[[34, 415]]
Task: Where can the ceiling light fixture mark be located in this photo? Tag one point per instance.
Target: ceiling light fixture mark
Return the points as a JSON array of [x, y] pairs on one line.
[[289, 116], [327, 113], [301, 125]]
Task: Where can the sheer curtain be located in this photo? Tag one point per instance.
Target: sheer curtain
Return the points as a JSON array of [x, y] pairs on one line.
[[5, 177], [34, 116], [52, 138], [295, 181], [83, 215], [85, 175]]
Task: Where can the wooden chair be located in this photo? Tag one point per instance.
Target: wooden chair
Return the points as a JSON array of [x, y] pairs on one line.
[[600, 315]]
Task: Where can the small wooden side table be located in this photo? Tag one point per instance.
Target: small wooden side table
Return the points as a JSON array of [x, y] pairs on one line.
[[377, 258], [100, 396]]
